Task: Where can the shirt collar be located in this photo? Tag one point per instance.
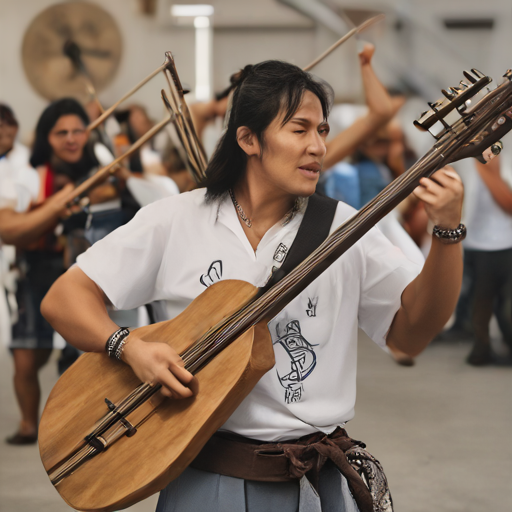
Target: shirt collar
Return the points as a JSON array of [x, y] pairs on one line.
[[228, 216]]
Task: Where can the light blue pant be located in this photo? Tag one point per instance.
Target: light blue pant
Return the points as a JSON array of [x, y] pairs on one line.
[[197, 490]]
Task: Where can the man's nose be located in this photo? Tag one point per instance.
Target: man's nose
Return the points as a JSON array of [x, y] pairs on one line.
[[317, 145]]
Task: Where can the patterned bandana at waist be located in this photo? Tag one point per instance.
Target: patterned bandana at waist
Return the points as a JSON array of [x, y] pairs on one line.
[[240, 457]]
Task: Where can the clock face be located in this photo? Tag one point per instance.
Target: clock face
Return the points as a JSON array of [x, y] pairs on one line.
[[68, 46]]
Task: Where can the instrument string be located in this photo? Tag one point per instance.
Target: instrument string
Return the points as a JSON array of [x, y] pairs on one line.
[[233, 326], [338, 242]]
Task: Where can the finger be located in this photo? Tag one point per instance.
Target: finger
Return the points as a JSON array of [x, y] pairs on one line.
[[447, 176], [452, 174], [425, 196], [193, 385], [177, 389], [431, 186], [178, 370], [65, 190], [166, 392], [444, 181]]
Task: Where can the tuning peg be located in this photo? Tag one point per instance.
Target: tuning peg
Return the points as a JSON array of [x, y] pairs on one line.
[[423, 114], [477, 73], [436, 104], [508, 74], [470, 77], [455, 90], [463, 84], [449, 95]]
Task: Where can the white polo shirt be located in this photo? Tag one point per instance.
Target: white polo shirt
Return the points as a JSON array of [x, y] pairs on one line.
[[19, 182], [175, 248]]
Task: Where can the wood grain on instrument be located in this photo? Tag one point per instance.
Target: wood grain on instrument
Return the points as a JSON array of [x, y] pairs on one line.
[[134, 468], [165, 444]]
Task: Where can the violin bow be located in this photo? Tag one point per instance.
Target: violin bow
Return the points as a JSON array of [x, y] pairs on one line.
[[109, 169], [346, 37], [321, 57], [195, 155], [196, 160]]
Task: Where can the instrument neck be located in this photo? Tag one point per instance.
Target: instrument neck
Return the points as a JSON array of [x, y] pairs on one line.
[[269, 304]]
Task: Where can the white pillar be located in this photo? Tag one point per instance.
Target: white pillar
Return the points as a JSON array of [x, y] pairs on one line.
[[204, 39]]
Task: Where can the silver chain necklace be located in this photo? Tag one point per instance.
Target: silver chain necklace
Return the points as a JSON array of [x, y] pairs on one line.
[[288, 217], [239, 210]]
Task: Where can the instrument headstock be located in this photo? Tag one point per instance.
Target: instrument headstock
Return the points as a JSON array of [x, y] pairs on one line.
[[470, 118]]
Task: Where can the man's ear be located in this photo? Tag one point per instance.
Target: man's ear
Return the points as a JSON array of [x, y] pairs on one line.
[[248, 141]]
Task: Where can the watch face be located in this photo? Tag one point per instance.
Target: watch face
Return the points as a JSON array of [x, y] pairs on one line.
[[69, 47]]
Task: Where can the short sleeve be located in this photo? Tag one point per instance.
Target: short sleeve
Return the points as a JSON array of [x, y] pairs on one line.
[[8, 195], [103, 154], [127, 262], [387, 272]]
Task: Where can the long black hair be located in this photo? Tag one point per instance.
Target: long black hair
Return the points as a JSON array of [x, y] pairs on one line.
[[261, 92], [42, 151]]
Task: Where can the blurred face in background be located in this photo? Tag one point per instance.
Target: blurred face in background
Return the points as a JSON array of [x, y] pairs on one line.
[[139, 121], [68, 138], [8, 134], [378, 147]]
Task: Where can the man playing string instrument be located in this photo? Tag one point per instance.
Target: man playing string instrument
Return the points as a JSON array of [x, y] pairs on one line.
[[240, 225]]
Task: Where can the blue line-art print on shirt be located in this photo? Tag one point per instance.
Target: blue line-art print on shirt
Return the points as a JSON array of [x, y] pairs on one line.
[[300, 364]]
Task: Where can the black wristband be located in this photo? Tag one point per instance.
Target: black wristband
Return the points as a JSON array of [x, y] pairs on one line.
[[115, 340], [450, 236]]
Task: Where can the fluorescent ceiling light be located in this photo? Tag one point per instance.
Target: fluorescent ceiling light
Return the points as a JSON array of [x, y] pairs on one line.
[[181, 10]]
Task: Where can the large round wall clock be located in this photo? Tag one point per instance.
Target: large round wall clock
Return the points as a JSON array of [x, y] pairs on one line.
[[69, 46]]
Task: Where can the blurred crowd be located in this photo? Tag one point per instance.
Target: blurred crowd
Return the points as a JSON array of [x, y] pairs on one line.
[[42, 232]]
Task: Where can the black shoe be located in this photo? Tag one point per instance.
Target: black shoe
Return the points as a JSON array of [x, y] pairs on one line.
[[19, 439], [481, 355]]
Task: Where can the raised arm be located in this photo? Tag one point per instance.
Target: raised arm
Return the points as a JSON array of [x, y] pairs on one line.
[[429, 300], [500, 190], [380, 111], [75, 307]]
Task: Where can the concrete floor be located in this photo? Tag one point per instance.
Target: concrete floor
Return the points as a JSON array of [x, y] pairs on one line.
[[442, 430]]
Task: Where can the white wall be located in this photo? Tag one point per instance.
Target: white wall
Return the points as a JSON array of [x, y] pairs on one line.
[[287, 35], [144, 44], [145, 39]]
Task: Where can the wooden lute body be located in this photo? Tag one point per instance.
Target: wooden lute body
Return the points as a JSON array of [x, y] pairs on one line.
[[172, 431], [107, 441]]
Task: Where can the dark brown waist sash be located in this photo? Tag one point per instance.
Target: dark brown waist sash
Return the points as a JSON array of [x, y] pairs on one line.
[[236, 456]]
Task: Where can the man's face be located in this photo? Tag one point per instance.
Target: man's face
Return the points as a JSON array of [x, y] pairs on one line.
[[7, 136], [293, 153], [68, 138]]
